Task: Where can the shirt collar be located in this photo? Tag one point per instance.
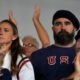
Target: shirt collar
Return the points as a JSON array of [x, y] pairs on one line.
[[7, 61]]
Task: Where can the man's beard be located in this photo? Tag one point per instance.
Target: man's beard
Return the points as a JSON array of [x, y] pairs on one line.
[[63, 37]]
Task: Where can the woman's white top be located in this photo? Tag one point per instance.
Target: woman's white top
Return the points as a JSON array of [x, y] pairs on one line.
[[26, 72]]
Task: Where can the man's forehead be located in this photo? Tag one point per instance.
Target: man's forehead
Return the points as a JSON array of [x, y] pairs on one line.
[[62, 19]]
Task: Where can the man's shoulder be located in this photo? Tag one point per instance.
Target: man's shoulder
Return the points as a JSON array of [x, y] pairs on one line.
[[38, 56], [43, 50]]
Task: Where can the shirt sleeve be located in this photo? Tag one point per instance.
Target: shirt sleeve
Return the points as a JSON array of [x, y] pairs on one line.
[[27, 72]]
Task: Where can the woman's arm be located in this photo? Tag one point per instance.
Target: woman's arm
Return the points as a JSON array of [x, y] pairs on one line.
[[43, 36], [76, 74]]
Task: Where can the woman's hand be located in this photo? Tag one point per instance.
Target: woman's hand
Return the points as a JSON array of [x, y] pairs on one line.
[[12, 18]]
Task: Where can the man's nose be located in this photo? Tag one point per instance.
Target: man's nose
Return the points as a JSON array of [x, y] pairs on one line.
[[63, 26]]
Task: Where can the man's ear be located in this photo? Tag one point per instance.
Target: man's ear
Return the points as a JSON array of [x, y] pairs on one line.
[[75, 29]]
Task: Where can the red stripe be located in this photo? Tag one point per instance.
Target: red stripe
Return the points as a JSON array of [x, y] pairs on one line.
[[21, 67], [23, 63]]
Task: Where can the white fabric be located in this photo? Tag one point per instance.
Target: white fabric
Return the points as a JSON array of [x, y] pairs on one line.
[[7, 61], [26, 72]]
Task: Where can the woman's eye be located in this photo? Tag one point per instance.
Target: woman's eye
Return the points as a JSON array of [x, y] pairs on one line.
[[6, 30]]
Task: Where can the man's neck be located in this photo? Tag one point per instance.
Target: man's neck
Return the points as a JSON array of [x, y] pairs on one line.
[[65, 46]]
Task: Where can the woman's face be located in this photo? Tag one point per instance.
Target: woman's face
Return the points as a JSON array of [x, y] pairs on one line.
[[6, 33], [29, 46]]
